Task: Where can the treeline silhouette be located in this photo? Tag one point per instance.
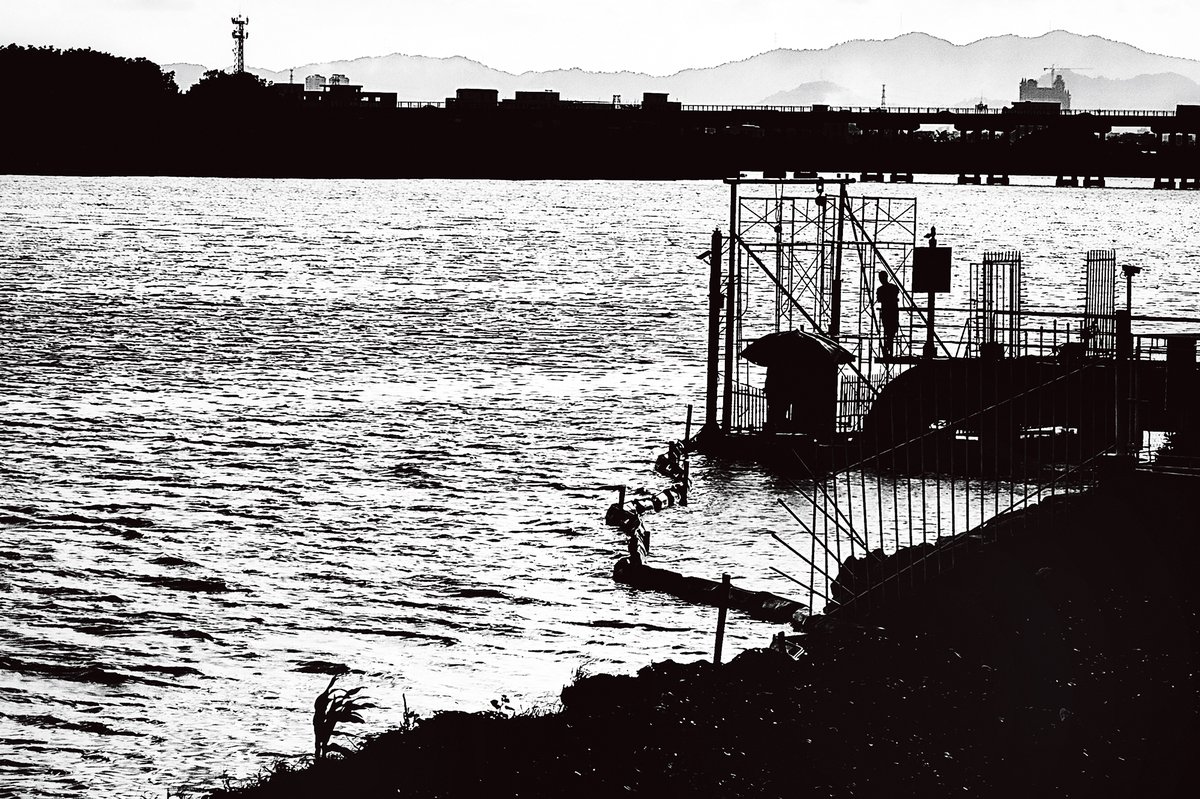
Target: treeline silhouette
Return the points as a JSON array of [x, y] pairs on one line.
[[84, 112], [81, 111]]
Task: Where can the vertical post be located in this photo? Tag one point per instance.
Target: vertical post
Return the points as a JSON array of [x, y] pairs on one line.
[[1122, 404], [714, 330], [835, 298], [730, 290], [929, 350], [722, 610], [1181, 384], [687, 477], [620, 495], [779, 303]]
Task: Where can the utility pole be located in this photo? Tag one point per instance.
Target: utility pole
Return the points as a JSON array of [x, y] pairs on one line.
[[239, 48]]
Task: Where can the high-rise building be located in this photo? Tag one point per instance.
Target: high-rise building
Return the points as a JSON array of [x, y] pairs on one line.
[[1030, 91]]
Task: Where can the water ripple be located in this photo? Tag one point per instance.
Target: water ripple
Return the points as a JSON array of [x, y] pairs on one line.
[[258, 431]]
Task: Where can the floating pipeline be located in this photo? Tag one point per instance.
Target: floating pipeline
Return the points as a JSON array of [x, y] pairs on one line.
[[673, 462], [633, 571], [756, 604], [667, 498], [636, 535], [628, 515]]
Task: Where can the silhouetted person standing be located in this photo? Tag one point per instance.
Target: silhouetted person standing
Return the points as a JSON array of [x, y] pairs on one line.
[[888, 297], [778, 389]]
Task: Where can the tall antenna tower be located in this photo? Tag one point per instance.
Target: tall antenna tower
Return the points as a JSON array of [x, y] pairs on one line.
[[239, 48], [883, 96]]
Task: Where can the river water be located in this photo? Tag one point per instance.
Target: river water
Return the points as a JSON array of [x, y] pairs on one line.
[[256, 429]]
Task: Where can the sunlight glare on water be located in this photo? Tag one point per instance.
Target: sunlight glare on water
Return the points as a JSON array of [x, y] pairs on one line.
[[253, 428]]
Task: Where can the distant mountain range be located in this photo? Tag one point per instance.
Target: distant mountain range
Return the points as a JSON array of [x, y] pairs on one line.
[[916, 68]]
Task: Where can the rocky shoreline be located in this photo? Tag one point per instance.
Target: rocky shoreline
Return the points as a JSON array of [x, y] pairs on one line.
[[1057, 654]]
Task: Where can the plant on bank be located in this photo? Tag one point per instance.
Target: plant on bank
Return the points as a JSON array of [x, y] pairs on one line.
[[411, 717], [334, 706], [502, 708]]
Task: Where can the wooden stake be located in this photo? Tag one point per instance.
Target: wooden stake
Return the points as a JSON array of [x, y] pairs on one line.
[[722, 610]]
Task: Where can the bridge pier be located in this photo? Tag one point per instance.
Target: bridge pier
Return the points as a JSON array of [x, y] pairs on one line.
[[1067, 181], [969, 180], [1164, 183], [997, 180], [1189, 183], [1093, 183], [902, 177], [871, 177]]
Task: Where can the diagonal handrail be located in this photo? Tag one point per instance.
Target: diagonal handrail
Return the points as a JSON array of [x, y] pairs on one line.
[[960, 421], [963, 538], [796, 304], [879, 254]]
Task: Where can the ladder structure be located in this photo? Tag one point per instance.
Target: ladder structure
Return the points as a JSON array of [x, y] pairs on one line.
[[804, 254]]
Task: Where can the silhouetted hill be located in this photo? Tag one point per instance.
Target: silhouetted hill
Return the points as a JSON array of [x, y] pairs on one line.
[[917, 68], [821, 91], [1164, 90], [187, 75]]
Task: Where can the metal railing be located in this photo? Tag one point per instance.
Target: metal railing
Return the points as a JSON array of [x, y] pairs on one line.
[[1054, 329], [948, 111], [877, 526], [750, 404], [944, 550]]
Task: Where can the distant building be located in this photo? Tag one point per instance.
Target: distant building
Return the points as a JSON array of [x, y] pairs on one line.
[[313, 83], [1031, 92], [548, 100], [288, 91], [657, 101], [348, 95], [339, 80], [544, 99], [474, 98]]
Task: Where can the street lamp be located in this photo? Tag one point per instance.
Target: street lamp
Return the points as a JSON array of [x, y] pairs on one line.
[[1130, 270]]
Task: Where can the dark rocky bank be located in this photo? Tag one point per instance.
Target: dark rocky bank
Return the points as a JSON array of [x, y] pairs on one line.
[[1053, 654]]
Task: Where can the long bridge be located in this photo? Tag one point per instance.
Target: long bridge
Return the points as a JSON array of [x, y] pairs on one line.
[[538, 135], [346, 132], [1185, 119]]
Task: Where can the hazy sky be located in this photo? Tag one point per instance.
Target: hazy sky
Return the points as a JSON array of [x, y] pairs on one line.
[[656, 36]]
